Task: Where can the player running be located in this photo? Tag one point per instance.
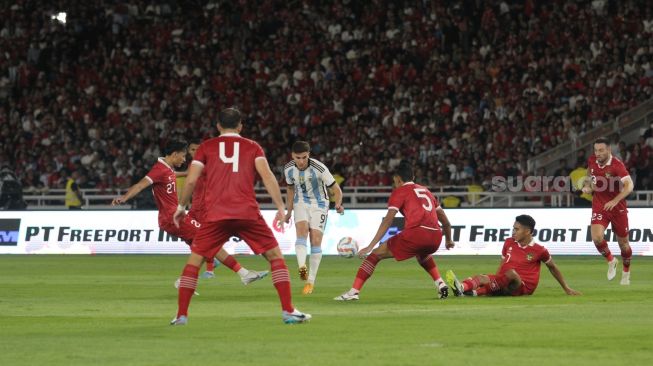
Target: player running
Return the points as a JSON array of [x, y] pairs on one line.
[[609, 182], [308, 181], [163, 180], [519, 271], [420, 238]]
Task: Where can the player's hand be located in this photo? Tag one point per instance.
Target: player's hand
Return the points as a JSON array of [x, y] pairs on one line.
[[365, 251], [118, 201], [450, 244], [572, 292], [179, 214], [610, 205], [587, 190], [340, 209], [287, 217], [280, 217]]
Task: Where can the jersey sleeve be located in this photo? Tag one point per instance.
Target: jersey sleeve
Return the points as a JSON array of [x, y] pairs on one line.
[[545, 256], [154, 175], [504, 250], [621, 171], [200, 156], [396, 201], [287, 173], [328, 178], [258, 151]]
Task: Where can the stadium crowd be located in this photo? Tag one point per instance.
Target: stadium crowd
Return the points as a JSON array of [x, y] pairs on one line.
[[469, 89]]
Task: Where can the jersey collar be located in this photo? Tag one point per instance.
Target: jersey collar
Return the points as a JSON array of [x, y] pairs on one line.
[[407, 183], [532, 242], [230, 134], [162, 161], [606, 163]]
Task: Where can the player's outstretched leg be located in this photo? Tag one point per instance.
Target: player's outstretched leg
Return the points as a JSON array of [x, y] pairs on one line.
[[431, 268], [365, 271], [300, 252], [602, 247], [454, 284], [246, 276], [626, 255], [211, 264]]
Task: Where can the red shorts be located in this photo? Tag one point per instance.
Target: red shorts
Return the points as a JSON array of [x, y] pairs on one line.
[[619, 220], [416, 241], [498, 283], [188, 228], [212, 235]]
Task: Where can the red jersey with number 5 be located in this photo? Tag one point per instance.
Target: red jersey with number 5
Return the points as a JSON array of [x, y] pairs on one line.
[[525, 261], [229, 166], [606, 181], [416, 204], [164, 187]]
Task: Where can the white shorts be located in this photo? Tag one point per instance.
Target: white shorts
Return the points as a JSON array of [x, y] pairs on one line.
[[315, 216]]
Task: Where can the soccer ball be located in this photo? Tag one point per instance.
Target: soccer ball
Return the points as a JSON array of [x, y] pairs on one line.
[[347, 247]]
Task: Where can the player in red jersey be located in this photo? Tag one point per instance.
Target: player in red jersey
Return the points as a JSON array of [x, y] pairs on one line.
[[519, 271], [420, 238], [609, 182], [231, 163], [163, 180]]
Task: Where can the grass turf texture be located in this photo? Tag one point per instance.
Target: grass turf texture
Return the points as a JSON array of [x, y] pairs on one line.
[[114, 310]]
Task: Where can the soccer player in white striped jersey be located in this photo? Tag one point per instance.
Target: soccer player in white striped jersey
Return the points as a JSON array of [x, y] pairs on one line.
[[308, 182]]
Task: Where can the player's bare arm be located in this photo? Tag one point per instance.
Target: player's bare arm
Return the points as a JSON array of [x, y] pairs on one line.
[[561, 280], [194, 173], [628, 188], [131, 192], [271, 185], [446, 227], [383, 228], [290, 194], [336, 192]]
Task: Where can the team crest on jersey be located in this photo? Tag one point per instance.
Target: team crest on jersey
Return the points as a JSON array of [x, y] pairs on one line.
[[529, 257], [608, 175], [170, 178]]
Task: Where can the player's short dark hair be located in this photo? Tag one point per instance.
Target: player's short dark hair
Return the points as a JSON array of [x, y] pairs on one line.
[[174, 146], [229, 118], [404, 171], [195, 141], [526, 221], [602, 140], [301, 147]]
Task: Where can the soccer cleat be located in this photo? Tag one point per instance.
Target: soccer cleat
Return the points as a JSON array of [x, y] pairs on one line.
[[303, 273], [454, 284], [252, 276], [308, 289], [177, 286], [625, 278], [443, 291], [208, 274], [612, 269], [182, 320], [347, 296], [295, 317]]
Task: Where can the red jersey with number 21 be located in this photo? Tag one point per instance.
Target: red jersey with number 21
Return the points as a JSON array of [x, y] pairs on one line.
[[229, 166], [416, 204], [164, 186]]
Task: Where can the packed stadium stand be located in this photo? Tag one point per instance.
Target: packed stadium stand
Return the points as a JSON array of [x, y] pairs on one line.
[[468, 90]]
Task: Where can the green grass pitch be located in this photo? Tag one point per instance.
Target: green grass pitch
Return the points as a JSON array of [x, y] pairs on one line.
[[114, 310]]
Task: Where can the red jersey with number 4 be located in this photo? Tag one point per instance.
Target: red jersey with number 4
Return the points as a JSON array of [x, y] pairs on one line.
[[525, 261], [416, 204], [164, 186], [228, 162], [197, 206], [607, 182]]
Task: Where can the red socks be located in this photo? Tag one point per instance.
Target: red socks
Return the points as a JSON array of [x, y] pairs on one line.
[[187, 286], [605, 251], [281, 281], [429, 266], [625, 256], [365, 271], [210, 266], [471, 284], [232, 263]]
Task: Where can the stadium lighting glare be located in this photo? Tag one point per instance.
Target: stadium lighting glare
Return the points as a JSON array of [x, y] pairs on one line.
[[60, 17]]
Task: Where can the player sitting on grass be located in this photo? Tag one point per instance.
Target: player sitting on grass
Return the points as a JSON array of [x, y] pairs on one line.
[[519, 272]]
